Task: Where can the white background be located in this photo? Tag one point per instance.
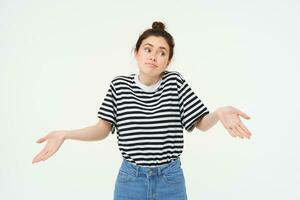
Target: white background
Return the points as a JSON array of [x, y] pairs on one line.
[[57, 59]]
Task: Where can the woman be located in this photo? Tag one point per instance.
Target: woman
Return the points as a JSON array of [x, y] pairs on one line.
[[149, 111]]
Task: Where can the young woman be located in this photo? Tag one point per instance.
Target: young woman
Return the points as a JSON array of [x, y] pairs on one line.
[[149, 111]]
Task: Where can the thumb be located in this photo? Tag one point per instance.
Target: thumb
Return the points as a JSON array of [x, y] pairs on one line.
[[41, 140], [244, 115]]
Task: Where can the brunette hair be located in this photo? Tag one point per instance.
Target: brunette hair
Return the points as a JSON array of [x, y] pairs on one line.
[[158, 30]]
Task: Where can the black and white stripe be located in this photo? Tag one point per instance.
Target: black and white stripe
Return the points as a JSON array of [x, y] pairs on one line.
[[149, 124]]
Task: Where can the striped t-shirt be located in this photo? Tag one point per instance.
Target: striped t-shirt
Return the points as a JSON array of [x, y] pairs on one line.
[[149, 120]]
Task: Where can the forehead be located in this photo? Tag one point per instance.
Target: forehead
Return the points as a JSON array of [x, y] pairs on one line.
[[157, 42]]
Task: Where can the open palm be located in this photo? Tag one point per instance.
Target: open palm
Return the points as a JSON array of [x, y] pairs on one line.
[[55, 140], [229, 116]]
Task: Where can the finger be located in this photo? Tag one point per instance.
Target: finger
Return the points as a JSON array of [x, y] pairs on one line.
[[37, 159], [245, 128], [41, 153], [242, 132], [47, 155], [244, 115], [231, 132], [41, 140], [42, 156], [234, 129], [38, 156]]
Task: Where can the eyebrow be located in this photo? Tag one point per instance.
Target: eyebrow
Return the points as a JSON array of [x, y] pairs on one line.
[[152, 46]]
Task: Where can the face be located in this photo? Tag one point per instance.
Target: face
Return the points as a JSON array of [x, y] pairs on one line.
[[153, 56]]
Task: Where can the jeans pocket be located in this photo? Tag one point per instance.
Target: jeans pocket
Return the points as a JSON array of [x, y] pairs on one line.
[[125, 177], [175, 176]]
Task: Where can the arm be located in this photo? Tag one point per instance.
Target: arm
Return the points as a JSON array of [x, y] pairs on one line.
[[91, 133], [229, 116], [207, 121], [56, 138]]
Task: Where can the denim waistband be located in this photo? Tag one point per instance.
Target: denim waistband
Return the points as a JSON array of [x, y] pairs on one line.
[[158, 170]]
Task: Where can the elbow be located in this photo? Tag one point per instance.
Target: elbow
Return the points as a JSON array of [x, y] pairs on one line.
[[201, 126], [202, 129], [104, 128]]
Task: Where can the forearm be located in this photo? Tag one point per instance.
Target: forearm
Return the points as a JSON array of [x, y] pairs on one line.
[[90, 133], [208, 121]]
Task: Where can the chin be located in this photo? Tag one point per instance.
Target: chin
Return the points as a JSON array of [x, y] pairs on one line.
[[151, 71]]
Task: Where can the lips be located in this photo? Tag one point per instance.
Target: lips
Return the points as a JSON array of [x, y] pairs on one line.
[[153, 65]]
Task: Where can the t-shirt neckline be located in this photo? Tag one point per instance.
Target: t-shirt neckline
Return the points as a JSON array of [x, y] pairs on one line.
[[147, 88]]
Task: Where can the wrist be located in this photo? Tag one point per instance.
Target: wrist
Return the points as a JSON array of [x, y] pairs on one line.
[[65, 134], [219, 111]]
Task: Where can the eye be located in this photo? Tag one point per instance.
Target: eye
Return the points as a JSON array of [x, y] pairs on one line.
[[162, 53], [147, 49]]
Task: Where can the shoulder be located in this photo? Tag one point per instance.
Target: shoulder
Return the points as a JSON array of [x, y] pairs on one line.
[[176, 76], [122, 79]]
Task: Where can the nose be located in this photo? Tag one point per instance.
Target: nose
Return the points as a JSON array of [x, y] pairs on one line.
[[152, 57]]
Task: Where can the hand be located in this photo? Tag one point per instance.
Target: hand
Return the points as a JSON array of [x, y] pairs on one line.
[[229, 116], [55, 140]]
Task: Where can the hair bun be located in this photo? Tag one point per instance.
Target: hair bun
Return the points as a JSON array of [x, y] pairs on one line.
[[158, 26]]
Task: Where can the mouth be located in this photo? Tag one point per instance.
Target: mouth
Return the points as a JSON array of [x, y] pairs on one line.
[[150, 64]]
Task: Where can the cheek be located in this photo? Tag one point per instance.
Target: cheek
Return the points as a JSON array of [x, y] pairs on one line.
[[143, 56], [163, 61], [140, 58]]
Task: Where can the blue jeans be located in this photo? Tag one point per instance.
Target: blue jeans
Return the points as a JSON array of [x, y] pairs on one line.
[[165, 182]]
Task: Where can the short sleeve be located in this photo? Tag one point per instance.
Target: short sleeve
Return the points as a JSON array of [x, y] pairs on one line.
[[191, 107], [108, 108]]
